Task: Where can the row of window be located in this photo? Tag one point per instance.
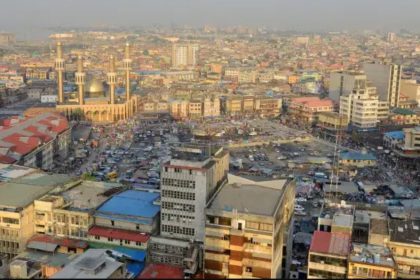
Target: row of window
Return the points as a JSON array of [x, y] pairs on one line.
[[178, 183], [126, 242], [178, 206], [371, 273], [177, 218], [178, 230], [7, 220], [9, 232], [178, 195]]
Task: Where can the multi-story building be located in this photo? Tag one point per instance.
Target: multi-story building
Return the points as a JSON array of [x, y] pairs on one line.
[[332, 121], [360, 109], [211, 107], [371, 261], [35, 141], [249, 240], [184, 54], [387, 79], [306, 108], [7, 39], [268, 107], [178, 109], [345, 83], [404, 246], [17, 195], [411, 89], [250, 105], [188, 181], [328, 255]]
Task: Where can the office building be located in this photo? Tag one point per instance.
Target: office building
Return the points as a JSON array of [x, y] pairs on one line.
[[246, 239], [188, 181], [184, 54], [387, 79], [306, 109]]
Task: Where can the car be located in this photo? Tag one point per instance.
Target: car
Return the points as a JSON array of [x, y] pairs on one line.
[[300, 199], [300, 213], [299, 207]]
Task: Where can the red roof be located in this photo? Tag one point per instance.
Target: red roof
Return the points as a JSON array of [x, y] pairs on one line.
[[119, 234], [22, 144], [6, 159], [64, 242], [332, 243], [161, 271]]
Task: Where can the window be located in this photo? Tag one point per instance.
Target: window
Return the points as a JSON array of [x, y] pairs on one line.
[[97, 237], [112, 223], [137, 227], [127, 242], [138, 243], [110, 239], [248, 269]]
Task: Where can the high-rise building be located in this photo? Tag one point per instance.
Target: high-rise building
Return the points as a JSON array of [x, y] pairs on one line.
[[7, 38], [391, 36], [188, 181], [246, 239], [360, 109], [386, 78], [344, 83], [184, 55], [411, 90]]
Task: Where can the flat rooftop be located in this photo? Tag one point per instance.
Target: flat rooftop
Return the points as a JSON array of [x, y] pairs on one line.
[[161, 271], [15, 195], [372, 254], [132, 205], [241, 194], [9, 171], [88, 194]]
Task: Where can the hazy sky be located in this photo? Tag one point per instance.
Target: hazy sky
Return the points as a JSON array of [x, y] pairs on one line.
[[29, 17]]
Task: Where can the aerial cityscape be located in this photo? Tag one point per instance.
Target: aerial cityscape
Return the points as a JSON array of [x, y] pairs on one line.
[[209, 139]]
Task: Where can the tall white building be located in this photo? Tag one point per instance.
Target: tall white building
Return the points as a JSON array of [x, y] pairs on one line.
[[188, 181], [386, 78], [184, 55], [344, 83]]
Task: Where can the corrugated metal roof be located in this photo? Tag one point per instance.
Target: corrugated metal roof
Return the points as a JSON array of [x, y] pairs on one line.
[[42, 246]]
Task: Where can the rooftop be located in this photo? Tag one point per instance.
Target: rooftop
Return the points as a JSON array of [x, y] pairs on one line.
[[372, 254], [351, 155], [397, 135], [119, 234], [94, 263], [240, 194], [161, 271], [331, 243], [131, 205], [405, 231]]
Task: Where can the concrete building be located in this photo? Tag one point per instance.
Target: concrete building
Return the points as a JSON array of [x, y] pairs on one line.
[[328, 255], [126, 219], [35, 141], [371, 261], [7, 39], [332, 121], [306, 109], [345, 83], [94, 263], [411, 89], [184, 54], [404, 246], [246, 239], [188, 181], [360, 109], [387, 79], [252, 105], [17, 193], [357, 159]]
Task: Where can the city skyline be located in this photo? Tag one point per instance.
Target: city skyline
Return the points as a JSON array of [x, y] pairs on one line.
[[33, 22]]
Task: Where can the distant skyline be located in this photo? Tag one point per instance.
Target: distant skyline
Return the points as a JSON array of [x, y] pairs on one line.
[[32, 18]]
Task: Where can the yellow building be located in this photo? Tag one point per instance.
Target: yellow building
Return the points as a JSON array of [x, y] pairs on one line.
[[249, 242], [94, 104], [332, 121], [404, 235], [371, 261]]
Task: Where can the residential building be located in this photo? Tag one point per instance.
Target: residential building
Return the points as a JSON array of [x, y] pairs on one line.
[[404, 246], [332, 121], [401, 116], [267, 106], [371, 261], [328, 255], [184, 54], [305, 109], [245, 239], [387, 79], [211, 107]]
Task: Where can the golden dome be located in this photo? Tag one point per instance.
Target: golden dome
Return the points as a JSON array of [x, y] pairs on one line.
[[95, 86]]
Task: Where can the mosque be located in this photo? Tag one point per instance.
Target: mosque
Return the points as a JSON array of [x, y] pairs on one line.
[[95, 101]]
